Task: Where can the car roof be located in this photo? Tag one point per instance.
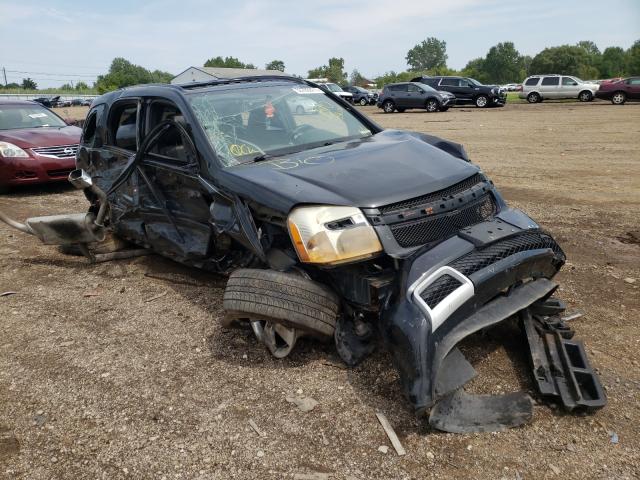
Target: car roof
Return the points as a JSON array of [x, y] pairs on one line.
[[169, 90]]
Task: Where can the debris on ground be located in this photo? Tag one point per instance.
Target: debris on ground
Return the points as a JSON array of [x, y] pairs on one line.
[[395, 441], [304, 404], [255, 428]]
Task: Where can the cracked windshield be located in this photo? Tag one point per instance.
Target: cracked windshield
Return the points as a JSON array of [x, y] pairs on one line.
[[255, 122]]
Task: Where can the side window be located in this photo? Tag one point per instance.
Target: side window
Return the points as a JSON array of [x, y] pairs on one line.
[[123, 125], [551, 81], [413, 89], [399, 88], [170, 144], [532, 81], [91, 126], [449, 82], [634, 81], [464, 83], [569, 82]]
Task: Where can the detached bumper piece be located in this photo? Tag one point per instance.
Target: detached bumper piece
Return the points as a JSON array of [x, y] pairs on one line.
[[560, 366]]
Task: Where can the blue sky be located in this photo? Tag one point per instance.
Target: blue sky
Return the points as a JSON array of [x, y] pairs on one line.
[[55, 41]]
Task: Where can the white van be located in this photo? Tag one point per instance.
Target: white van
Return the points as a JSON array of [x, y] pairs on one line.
[[541, 87]]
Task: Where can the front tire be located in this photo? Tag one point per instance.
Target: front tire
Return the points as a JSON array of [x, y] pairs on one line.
[[363, 102], [482, 101], [287, 299], [432, 105], [533, 97], [619, 98], [585, 96], [388, 106]]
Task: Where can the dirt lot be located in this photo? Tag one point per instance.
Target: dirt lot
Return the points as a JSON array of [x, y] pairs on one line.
[[121, 371]]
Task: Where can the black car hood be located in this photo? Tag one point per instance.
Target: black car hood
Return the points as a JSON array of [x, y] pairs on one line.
[[386, 168]]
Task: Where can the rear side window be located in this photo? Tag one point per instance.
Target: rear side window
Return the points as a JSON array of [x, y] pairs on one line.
[[398, 88], [123, 126], [450, 82], [531, 82], [413, 88], [91, 126], [551, 81]]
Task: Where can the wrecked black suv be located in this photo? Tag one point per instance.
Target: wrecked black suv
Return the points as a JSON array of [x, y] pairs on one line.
[[330, 227]]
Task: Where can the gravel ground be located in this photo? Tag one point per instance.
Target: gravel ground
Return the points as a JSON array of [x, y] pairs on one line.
[[121, 370]]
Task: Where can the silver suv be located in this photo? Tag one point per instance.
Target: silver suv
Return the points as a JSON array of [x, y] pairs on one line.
[[541, 87]]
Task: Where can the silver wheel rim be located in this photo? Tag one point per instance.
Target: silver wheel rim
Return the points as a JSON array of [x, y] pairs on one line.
[[618, 98], [388, 107], [481, 101], [533, 98], [584, 97], [363, 101], [278, 339], [431, 106]]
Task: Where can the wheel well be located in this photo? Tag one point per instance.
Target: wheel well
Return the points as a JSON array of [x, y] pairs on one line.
[[586, 90]]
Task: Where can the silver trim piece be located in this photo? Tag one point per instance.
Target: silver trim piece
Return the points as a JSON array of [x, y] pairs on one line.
[[447, 305]]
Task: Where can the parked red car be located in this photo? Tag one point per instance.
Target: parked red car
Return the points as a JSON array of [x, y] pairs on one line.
[[620, 91], [36, 145]]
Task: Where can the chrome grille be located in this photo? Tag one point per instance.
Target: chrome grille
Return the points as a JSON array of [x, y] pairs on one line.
[[59, 151]]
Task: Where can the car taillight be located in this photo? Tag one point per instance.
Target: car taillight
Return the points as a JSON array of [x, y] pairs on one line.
[[519, 88]]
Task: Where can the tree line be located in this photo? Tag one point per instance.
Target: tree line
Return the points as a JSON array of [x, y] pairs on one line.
[[503, 63]]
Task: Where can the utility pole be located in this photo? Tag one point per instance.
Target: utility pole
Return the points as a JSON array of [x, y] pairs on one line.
[[4, 71]]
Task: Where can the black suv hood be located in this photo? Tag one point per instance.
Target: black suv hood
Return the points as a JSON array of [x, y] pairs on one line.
[[386, 168]]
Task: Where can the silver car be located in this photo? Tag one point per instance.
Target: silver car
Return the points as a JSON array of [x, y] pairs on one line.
[[542, 87]]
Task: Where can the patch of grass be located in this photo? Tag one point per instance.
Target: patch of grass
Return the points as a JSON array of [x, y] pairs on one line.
[[512, 97]]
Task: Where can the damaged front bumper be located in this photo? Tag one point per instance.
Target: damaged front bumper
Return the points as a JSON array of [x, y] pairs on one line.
[[483, 275]]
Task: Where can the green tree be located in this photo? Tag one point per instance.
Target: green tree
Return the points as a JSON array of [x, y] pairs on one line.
[[357, 79], [80, 86], [564, 60], [428, 55], [275, 65], [393, 77], [334, 72], [66, 86], [11, 85], [633, 59], [123, 73], [613, 62], [503, 64], [227, 62], [29, 84], [475, 69]]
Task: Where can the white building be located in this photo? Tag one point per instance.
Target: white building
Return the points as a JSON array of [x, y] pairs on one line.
[[205, 74]]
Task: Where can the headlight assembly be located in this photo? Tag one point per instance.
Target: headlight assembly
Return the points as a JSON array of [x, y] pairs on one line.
[[10, 150], [332, 235]]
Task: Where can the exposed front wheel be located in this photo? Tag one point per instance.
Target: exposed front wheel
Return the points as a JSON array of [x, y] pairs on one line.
[[363, 101], [482, 101], [533, 98], [388, 106], [432, 105], [585, 96], [281, 307], [619, 98]]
